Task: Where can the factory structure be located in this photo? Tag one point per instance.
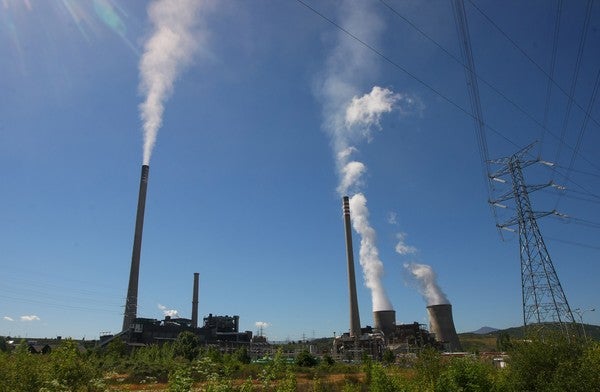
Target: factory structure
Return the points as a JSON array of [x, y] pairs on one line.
[[224, 331], [385, 332], [138, 331]]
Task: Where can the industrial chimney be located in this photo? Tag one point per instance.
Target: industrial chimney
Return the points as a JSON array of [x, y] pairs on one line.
[[385, 321], [441, 324], [195, 302], [354, 316], [132, 290]]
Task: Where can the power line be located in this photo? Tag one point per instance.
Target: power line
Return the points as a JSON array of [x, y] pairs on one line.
[[579, 244], [410, 74], [552, 64], [571, 95], [542, 125], [539, 67], [583, 128]]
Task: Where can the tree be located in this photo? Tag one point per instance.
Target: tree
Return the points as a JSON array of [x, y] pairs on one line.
[[306, 359], [503, 341], [69, 369], [241, 355], [554, 363], [187, 345], [3, 344], [389, 357]]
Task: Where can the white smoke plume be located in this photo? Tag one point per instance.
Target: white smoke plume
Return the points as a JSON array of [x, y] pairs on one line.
[[7, 318], [349, 119], [169, 49], [168, 312], [366, 111], [427, 284], [402, 248], [32, 317], [261, 324], [371, 265]]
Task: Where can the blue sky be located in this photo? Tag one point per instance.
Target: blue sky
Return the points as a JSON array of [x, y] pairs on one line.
[[243, 184]]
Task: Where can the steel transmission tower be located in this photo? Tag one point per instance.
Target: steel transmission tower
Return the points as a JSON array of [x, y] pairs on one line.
[[544, 300]]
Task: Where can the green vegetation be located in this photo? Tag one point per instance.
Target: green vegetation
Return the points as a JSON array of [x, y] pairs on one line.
[[542, 363]]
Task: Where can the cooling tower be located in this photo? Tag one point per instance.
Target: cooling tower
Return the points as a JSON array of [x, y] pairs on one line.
[[385, 321], [195, 302], [354, 316], [132, 290], [442, 325]]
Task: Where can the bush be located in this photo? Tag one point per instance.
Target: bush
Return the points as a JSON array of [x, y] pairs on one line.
[[306, 359], [553, 363], [187, 345], [70, 370], [20, 371], [180, 380], [466, 375]]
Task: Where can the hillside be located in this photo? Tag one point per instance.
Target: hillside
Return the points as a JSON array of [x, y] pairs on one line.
[[477, 342]]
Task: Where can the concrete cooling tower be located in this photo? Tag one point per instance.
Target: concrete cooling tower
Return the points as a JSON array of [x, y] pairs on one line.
[[441, 324], [385, 321]]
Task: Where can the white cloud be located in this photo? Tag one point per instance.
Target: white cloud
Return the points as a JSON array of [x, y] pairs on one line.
[[32, 317], [392, 218], [168, 312], [261, 324], [8, 318], [402, 248]]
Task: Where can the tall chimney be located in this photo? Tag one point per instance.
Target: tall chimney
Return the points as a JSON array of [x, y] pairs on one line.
[[441, 324], [195, 302], [354, 316], [132, 290]]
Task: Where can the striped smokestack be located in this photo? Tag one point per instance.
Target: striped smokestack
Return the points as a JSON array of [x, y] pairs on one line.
[[354, 316], [132, 290], [195, 302]]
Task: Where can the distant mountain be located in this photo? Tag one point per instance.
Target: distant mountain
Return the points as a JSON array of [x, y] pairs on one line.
[[485, 330], [484, 339]]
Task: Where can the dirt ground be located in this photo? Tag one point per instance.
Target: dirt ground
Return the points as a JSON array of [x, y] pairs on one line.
[[304, 383]]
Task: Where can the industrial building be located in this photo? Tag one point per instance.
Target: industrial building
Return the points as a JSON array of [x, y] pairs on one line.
[[224, 330], [386, 333]]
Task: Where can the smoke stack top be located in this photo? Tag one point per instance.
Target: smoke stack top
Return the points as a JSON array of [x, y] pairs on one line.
[[426, 280]]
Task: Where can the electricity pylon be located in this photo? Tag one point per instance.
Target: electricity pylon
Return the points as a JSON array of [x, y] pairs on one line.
[[544, 300]]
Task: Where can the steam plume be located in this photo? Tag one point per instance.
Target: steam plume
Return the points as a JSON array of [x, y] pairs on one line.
[[426, 280], [402, 248], [261, 324], [349, 118], [369, 254], [170, 48]]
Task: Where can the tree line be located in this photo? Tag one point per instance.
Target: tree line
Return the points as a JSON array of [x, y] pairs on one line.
[[541, 363]]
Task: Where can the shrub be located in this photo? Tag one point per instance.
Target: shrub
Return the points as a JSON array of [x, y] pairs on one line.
[[180, 380], [306, 359], [466, 375], [70, 369]]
